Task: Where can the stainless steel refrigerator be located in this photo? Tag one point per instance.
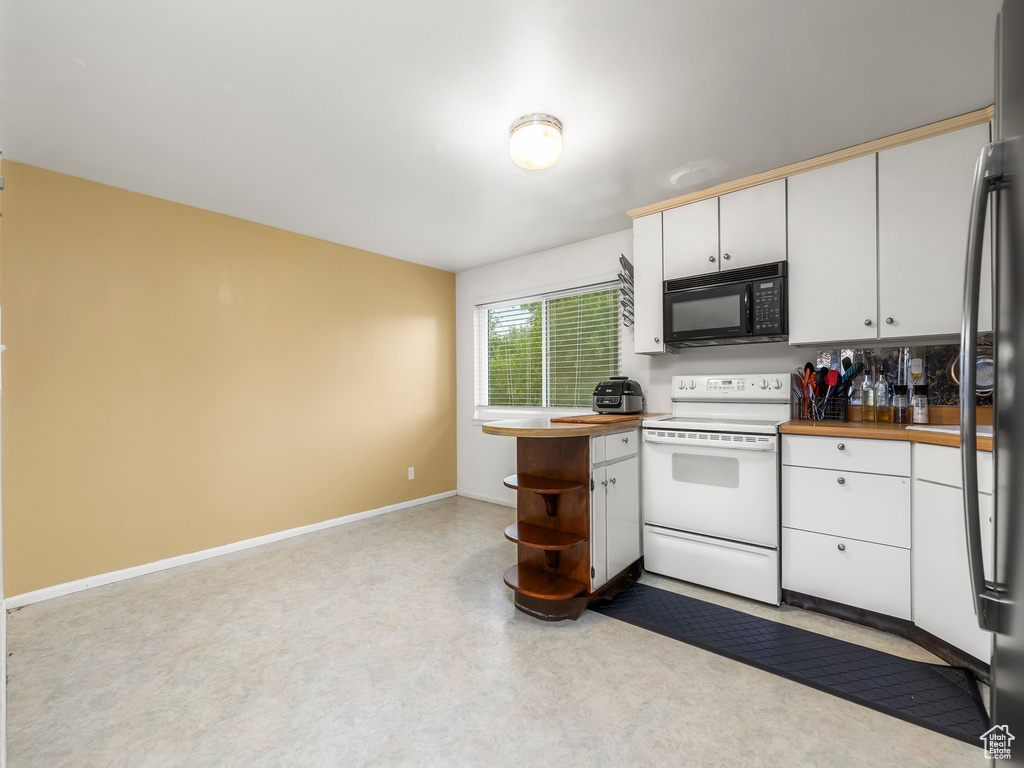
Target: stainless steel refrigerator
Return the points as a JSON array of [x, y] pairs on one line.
[[999, 603]]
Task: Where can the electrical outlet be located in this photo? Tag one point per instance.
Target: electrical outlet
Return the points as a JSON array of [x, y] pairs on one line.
[[412, 473]]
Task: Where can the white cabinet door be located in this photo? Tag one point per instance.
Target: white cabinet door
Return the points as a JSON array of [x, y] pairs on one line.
[[623, 510], [832, 231], [924, 196], [942, 583], [647, 286], [753, 225], [691, 239], [849, 571], [598, 528]]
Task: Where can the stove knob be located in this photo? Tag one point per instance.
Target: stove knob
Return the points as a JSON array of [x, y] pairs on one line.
[[778, 384], [764, 383], [693, 384]]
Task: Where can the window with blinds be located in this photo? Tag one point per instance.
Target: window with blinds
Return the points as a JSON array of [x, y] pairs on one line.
[[547, 351]]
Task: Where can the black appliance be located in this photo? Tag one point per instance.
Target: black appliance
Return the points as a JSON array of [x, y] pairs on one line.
[[732, 307], [619, 395]]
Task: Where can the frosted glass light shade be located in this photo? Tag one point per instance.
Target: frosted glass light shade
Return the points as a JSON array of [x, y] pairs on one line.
[[535, 142]]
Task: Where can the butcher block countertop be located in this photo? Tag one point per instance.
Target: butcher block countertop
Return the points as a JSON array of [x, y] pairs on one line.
[[878, 431], [543, 427]]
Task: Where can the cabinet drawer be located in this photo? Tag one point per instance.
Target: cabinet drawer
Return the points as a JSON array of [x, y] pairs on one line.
[[620, 444], [873, 508], [881, 457], [597, 449], [940, 464], [861, 574]]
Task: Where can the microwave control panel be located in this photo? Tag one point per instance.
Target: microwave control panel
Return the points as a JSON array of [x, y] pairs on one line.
[[769, 307]]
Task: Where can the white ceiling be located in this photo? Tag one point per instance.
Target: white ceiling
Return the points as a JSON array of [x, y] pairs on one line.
[[384, 125]]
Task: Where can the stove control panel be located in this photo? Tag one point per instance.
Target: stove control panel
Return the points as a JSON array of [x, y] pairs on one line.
[[770, 387], [726, 385]]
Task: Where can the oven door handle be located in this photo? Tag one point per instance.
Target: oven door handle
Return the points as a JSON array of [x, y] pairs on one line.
[[722, 445]]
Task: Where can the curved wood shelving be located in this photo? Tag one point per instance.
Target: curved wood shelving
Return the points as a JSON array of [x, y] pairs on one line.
[[539, 537], [540, 484], [541, 584]]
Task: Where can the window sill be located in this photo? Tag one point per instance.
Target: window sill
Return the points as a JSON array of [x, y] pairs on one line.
[[486, 414]]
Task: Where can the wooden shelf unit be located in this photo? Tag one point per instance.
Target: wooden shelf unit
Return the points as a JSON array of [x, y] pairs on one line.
[[552, 542], [545, 585]]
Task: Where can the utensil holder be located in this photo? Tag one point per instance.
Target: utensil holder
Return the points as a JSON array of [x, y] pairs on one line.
[[834, 408]]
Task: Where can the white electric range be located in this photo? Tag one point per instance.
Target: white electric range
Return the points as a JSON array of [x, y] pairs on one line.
[[711, 483]]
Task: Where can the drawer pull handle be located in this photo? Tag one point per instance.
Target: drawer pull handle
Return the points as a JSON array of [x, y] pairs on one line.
[[841, 481], [625, 439], [841, 446], [842, 547]]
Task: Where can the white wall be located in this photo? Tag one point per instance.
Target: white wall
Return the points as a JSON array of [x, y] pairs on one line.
[[484, 460]]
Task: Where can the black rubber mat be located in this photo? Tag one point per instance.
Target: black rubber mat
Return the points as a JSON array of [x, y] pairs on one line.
[[943, 699]]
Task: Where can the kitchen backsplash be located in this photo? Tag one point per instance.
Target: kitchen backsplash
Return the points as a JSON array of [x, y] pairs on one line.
[[942, 390]]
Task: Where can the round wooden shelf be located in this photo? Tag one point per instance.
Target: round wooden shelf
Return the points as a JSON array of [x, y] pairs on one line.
[[541, 584], [539, 537], [540, 484]]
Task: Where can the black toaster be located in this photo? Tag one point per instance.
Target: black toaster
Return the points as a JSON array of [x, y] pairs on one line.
[[619, 395]]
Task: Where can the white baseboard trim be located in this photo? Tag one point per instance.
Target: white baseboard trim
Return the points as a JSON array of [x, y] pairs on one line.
[[491, 499], [58, 590]]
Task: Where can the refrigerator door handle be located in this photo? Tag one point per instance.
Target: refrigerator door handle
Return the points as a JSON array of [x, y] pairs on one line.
[[986, 174]]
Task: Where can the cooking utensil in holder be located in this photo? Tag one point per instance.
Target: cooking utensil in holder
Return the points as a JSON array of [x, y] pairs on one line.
[[832, 408]]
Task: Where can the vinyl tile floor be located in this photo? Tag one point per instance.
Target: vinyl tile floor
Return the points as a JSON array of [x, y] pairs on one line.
[[393, 642]]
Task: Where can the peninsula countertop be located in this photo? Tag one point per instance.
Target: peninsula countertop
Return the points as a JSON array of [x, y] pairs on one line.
[[542, 427]]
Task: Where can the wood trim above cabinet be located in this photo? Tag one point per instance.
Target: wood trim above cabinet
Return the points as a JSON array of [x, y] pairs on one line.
[[948, 125]]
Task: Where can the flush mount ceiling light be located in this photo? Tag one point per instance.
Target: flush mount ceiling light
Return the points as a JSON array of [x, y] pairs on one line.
[[535, 141]]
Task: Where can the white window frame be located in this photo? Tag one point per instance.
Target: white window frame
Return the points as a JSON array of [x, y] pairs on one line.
[[485, 413]]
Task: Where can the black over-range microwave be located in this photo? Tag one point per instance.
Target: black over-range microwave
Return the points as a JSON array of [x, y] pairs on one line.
[[730, 307]]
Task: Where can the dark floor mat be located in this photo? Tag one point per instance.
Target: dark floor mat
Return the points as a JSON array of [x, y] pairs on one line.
[[943, 699]]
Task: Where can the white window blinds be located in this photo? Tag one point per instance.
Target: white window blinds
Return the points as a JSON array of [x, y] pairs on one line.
[[549, 350]]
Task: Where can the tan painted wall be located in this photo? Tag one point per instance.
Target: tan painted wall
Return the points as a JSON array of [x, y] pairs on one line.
[[177, 379]]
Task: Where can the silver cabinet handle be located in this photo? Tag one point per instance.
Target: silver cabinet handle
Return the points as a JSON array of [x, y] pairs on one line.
[[842, 547], [612, 481], [726, 256], [711, 259], [604, 482], [841, 481], [841, 446], [625, 439], [657, 340], [868, 321], [987, 173], [889, 321]]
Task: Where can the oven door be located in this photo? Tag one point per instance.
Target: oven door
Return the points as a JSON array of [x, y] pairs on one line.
[[713, 483], [718, 312]]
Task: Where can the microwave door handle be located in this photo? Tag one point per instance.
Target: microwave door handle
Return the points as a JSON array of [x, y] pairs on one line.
[[987, 172], [747, 313]]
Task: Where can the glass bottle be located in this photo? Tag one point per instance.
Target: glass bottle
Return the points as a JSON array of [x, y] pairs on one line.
[[867, 396], [920, 403], [900, 406], [881, 398]]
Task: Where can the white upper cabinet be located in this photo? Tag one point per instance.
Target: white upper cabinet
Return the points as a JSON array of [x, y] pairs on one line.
[[753, 225], [832, 253], [648, 337], [691, 239], [924, 196]]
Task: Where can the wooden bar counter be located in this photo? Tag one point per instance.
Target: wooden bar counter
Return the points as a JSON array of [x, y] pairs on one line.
[[569, 488]]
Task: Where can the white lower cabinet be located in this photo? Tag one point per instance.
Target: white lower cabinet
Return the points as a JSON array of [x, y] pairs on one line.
[[846, 532], [614, 505], [943, 603], [942, 583], [849, 571]]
